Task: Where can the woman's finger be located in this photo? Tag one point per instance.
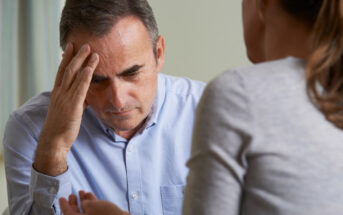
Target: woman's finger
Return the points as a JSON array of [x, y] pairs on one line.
[[72, 200], [66, 208], [82, 195], [90, 196]]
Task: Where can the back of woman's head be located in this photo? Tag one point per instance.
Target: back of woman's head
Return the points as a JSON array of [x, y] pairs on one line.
[[305, 9], [324, 71]]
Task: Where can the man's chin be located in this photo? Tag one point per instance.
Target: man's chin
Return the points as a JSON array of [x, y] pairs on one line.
[[127, 124], [126, 131], [123, 125]]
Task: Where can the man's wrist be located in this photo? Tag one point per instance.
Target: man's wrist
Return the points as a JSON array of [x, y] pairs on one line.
[[49, 160]]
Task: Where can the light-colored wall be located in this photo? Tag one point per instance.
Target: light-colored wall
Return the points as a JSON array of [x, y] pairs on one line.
[[203, 38]]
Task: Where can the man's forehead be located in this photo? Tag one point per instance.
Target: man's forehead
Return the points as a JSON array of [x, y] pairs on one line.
[[128, 43], [125, 32]]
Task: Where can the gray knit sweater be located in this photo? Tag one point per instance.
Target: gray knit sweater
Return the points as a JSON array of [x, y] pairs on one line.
[[261, 147]]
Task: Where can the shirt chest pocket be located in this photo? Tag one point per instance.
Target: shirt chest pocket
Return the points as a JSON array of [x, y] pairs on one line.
[[172, 198]]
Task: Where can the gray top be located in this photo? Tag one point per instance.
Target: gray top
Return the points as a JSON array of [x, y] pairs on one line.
[[261, 147]]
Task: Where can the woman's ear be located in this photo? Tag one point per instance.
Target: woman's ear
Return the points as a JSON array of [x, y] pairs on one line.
[[261, 9]]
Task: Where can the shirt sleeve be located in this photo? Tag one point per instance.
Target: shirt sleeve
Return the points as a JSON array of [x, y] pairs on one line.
[[221, 141], [29, 192]]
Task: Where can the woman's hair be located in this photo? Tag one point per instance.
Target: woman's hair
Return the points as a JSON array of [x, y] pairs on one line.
[[324, 72]]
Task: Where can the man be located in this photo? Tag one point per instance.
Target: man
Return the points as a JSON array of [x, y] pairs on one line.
[[112, 125]]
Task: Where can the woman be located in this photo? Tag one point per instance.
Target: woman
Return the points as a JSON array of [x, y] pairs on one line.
[[268, 139]]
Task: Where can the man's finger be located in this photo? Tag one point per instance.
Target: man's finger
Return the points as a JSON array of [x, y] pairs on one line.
[[93, 61], [75, 66], [67, 57], [81, 84]]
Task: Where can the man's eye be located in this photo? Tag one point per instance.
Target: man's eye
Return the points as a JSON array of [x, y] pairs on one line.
[[131, 74]]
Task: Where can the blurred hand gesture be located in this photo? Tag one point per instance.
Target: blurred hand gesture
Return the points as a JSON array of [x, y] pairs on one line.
[[90, 206]]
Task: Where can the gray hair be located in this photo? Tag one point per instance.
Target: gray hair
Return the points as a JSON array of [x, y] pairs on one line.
[[99, 16]]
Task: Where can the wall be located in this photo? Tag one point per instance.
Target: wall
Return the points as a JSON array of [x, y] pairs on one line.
[[203, 38]]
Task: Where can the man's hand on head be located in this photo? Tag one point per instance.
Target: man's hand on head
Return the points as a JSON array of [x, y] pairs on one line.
[[90, 206], [67, 103]]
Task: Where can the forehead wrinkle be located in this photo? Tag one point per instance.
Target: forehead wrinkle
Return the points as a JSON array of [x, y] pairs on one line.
[[102, 46], [119, 48]]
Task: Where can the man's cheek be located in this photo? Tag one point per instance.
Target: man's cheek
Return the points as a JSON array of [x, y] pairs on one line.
[[91, 100]]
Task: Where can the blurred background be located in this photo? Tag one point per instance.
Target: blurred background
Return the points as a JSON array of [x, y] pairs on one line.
[[203, 39]]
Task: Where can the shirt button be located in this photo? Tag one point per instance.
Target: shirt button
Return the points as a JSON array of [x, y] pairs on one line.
[[135, 196], [130, 148]]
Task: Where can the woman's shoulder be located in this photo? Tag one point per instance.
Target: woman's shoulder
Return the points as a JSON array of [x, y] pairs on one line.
[[271, 74], [259, 84], [270, 69]]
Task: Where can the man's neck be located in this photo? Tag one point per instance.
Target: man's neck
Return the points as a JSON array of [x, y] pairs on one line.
[[128, 134]]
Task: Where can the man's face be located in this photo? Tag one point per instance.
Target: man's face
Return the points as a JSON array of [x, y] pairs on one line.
[[124, 84]]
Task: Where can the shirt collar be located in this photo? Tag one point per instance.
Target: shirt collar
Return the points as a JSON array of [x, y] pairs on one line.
[[158, 103]]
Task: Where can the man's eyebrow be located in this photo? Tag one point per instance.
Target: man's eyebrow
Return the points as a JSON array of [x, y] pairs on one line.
[[131, 69]]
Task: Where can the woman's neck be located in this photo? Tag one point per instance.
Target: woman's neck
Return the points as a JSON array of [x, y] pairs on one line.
[[287, 36]]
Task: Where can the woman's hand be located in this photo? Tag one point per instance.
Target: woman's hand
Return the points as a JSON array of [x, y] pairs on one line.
[[90, 206]]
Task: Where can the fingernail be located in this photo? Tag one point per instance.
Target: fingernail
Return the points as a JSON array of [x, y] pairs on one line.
[[84, 48], [93, 58]]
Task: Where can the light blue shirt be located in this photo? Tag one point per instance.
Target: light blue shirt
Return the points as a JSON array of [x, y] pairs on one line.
[[145, 175]]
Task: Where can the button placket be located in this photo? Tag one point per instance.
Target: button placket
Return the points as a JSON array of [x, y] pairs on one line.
[[134, 179]]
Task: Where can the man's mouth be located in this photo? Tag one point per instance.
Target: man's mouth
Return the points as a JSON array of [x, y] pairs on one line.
[[120, 113]]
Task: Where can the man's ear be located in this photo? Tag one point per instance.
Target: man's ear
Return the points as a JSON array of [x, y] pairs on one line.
[[160, 51]]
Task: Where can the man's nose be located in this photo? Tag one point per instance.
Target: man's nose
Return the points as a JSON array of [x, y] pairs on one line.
[[117, 94]]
